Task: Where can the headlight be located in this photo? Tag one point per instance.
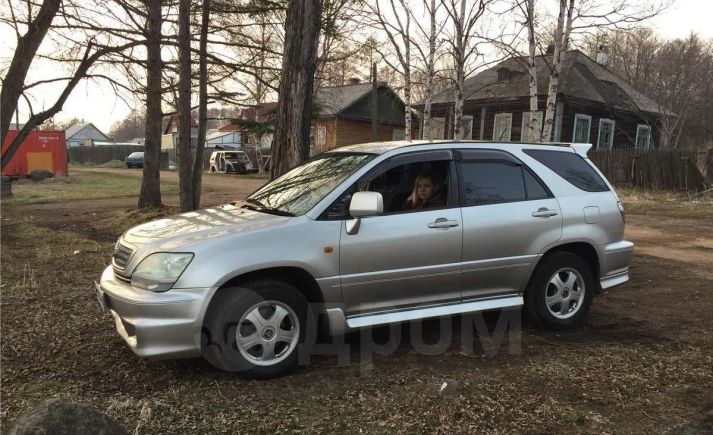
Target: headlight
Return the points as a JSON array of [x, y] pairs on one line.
[[158, 272]]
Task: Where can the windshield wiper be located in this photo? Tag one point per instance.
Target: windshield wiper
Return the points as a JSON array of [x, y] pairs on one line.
[[254, 204]]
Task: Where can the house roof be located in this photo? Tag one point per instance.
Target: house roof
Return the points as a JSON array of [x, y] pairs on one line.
[[76, 128], [581, 77], [167, 123], [335, 99]]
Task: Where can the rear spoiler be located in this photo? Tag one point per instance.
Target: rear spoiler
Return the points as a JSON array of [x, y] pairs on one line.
[[581, 148]]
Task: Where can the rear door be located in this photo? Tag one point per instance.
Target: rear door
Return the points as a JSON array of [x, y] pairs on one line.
[[509, 217]]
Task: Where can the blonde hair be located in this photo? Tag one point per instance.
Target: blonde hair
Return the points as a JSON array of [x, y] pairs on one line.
[[413, 200]]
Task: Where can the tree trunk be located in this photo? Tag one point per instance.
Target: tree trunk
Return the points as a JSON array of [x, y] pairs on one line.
[[531, 68], [150, 195], [290, 144], [533, 126], [407, 75], [374, 104], [460, 74], [561, 41], [430, 72], [202, 105], [27, 46], [183, 148]]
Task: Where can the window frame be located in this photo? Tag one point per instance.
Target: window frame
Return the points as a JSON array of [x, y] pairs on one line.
[[602, 121], [494, 156], [588, 118], [495, 123], [453, 200], [522, 128], [647, 128]]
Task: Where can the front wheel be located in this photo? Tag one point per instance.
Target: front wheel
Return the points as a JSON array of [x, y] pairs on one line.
[[256, 330], [560, 292]]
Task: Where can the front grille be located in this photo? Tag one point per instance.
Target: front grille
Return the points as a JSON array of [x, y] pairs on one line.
[[121, 256]]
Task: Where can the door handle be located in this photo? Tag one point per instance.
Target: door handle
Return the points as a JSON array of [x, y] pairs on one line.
[[544, 212], [443, 223]]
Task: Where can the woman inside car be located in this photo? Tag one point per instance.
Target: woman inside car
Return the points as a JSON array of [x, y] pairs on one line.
[[425, 194]]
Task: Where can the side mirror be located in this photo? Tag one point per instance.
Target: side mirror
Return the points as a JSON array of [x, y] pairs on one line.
[[363, 204], [366, 204]]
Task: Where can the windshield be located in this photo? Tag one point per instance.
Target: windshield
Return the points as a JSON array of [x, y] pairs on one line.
[[297, 191], [136, 155]]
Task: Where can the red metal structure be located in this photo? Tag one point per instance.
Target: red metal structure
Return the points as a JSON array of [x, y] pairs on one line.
[[41, 149]]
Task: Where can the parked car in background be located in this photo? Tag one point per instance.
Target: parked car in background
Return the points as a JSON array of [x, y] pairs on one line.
[[231, 161], [135, 160], [372, 234]]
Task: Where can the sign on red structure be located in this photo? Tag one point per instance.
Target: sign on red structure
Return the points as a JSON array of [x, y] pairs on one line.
[[41, 149]]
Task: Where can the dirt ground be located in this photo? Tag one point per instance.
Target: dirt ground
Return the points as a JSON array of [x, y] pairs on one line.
[[642, 362]]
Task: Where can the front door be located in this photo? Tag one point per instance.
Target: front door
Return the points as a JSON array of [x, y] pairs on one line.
[[509, 217], [410, 255]]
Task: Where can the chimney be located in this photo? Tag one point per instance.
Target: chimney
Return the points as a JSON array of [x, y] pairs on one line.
[[603, 55], [354, 81]]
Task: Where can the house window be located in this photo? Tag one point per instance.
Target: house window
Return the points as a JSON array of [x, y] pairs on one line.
[[582, 126], [435, 128], [605, 138], [467, 123], [643, 136], [502, 127], [531, 126]]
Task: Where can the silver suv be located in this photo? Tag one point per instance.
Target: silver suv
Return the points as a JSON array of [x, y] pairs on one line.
[[373, 234]]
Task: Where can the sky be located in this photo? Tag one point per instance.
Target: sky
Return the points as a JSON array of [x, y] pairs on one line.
[[95, 101]]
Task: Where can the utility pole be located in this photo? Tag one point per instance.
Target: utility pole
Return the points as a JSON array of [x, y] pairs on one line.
[[374, 105]]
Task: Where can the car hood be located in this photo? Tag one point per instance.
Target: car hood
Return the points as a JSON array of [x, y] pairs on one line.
[[176, 231]]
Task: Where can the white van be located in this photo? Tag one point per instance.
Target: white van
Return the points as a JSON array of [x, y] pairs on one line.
[[231, 161]]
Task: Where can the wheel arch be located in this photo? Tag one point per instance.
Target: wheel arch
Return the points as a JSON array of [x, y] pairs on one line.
[[300, 278], [585, 250]]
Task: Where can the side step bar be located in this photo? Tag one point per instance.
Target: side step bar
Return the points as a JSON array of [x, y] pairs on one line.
[[425, 313]]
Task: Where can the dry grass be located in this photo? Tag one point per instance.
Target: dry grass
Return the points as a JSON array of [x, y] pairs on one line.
[[85, 185], [671, 204]]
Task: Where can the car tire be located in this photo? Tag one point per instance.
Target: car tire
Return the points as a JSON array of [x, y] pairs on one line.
[[560, 292], [232, 314], [212, 169]]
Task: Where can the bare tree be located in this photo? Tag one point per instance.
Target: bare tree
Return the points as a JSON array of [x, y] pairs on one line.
[[429, 60], [202, 103], [27, 46], [463, 47], [397, 28], [290, 145], [150, 194], [183, 147], [564, 28]]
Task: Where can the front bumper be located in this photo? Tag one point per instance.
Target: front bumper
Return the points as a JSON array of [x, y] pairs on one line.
[[614, 259], [161, 325]]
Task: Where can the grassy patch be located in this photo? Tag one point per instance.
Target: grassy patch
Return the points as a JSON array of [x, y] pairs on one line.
[[122, 220], [85, 185], [28, 250], [670, 204]]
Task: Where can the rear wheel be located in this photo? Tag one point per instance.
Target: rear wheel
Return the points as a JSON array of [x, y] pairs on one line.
[[560, 292], [256, 330]]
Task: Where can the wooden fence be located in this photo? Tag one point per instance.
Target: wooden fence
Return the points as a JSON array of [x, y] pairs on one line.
[[653, 169], [100, 154]]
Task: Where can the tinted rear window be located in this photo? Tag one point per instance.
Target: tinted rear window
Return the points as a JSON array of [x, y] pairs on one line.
[[491, 183], [572, 167]]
